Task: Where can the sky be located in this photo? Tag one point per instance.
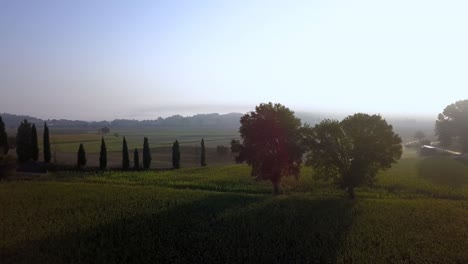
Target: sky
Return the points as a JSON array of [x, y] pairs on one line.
[[95, 60]]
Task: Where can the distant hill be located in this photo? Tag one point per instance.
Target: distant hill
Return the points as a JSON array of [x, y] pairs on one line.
[[215, 120], [406, 127]]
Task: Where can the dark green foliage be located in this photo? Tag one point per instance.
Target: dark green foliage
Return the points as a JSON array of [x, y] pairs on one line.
[[146, 154], [34, 144], [81, 157], [136, 160], [202, 154], [452, 124], [236, 150], [176, 155], [103, 155], [23, 142], [352, 151], [125, 158], [272, 143], [3, 138], [46, 144]]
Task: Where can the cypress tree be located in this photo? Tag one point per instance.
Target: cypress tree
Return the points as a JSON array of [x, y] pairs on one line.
[[34, 144], [136, 160], [3, 138], [125, 158], [146, 154], [176, 155], [46, 144], [103, 155], [81, 156], [23, 142], [203, 160]]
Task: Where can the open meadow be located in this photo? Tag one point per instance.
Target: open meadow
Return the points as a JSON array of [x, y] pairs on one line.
[[417, 212]]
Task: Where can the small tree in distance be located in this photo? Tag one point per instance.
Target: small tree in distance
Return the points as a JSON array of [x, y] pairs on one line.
[[419, 135], [136, 160], [23, 142], [202, 154], [46, 144], [81, 157], [4, 146], [34, 144], [125, 158], [176, 155], [146, 154], [103, 155], [236, 150]]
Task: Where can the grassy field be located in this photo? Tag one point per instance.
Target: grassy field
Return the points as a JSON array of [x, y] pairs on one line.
[[65, 144], [417, 212]]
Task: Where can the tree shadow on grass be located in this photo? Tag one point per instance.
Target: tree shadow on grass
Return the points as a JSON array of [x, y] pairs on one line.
[[224, 228]]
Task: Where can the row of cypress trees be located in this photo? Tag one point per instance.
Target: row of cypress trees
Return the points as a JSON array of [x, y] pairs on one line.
[[136, 159], [27, 147]]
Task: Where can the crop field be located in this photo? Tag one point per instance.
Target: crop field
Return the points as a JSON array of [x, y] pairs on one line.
[[65, 143], [417, 212]]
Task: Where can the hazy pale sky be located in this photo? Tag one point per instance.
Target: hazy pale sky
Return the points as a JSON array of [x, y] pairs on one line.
[[143, 59]]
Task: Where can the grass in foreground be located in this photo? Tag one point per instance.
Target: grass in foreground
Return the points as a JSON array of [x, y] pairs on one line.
[[220, 215]]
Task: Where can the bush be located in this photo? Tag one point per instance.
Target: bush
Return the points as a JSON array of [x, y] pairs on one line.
[[222, 150]]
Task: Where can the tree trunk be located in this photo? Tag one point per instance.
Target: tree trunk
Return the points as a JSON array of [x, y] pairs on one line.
[[351, 192], [276, 190]]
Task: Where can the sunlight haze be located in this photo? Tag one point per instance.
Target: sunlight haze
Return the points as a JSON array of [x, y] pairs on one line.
[[97, 60]]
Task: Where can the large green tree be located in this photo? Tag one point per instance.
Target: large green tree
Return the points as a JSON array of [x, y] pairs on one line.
[[34, 144], [125, 158], [352, 151], [271, 143], [176, 155], [146, 154], [203, 153], [452, 125], [3, 138], [46, 144], [23, 142], [103, 155], [81, 157]]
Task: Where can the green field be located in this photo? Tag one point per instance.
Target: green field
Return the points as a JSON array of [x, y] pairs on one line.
[[417, 212], [65, 144]]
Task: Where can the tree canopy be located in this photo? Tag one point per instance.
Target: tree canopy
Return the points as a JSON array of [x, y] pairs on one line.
[[81, 157], [125, 157], [34, 144], [176, 155], [352, 151], [103, 155], [271, 143], [4, 146], [46, 144], [452, 125], [146, 154], [419, 135], [24, 142]]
